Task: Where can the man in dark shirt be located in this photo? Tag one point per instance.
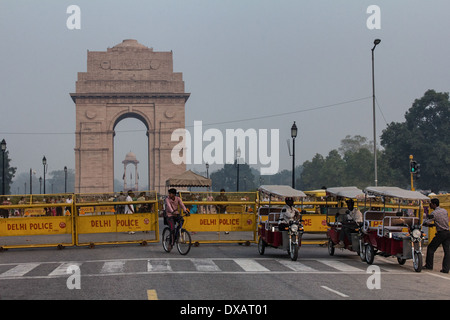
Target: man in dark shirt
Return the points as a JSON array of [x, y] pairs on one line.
[[439, 219]]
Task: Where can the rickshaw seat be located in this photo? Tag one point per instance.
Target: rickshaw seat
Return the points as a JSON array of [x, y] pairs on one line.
[[273, 217], [272, 220]]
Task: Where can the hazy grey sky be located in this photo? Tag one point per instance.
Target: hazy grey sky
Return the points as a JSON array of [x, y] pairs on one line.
[[240, 59]]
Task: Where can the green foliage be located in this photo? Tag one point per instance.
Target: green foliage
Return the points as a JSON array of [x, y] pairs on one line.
[[9, 172], [426, 135], [227, 176]]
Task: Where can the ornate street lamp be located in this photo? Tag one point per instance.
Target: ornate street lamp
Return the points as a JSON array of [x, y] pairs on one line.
[[44, 163], [293, 136]]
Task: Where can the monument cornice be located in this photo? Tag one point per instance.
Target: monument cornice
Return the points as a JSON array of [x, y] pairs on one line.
[[131, 95]]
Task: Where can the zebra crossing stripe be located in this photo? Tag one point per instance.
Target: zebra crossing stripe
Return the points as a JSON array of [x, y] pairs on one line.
[[205, 265], [158, 266], [296, 266], [339, 265], [113, 266], [61, 270], [19, 270], [250, 265]]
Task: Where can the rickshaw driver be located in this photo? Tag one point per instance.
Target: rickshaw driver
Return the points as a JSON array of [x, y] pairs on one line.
[[354, 220], [288, 213]]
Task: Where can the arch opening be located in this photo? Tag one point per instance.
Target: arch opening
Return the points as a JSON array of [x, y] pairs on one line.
[[131, 153]]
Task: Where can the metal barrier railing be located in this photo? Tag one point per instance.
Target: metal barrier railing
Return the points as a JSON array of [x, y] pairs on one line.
[[91, 219], [36, 221], [102, 219]]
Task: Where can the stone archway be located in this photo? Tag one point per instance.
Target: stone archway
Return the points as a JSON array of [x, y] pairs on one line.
[[127, 80]]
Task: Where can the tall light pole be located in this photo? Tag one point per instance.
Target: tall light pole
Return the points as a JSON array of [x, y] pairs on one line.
[[44, 163], [293, 136], [375, 43], [65, 179], [238, 155], [3, 145]]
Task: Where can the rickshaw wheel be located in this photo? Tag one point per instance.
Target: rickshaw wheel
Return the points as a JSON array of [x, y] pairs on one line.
[[362, 253], [261, 246], [330, 247], [401, 261], [417, 261], [370, 254], [294, 252]]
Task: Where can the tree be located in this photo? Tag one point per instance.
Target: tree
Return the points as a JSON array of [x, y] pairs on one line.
[[425, 135], [9, 173], [353, 168], [227, 176]]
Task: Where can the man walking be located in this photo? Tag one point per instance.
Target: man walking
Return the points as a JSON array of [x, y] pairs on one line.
[[439, 219]]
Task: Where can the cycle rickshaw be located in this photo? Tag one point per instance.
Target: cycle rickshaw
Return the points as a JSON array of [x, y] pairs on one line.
[[268, 231], [394, 233]]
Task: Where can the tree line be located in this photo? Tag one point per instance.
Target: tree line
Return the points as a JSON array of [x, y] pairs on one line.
[[425, 134]]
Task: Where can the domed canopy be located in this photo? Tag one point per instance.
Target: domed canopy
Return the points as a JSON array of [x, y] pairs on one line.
[[130, 44], [130, 158]]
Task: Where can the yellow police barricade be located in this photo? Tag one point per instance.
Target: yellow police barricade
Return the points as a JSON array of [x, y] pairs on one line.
[[103, 218], [221, 217], [36, 221]]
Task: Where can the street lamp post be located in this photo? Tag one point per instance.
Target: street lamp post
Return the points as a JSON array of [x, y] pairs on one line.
[[65, 179], [238, 155], [375, 43], [44, 163], [40, 185], [3, 144], [293, 135]]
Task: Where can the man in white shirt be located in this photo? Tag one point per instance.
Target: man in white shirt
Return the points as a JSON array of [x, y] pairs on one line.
[[129, 208], [288, 213]]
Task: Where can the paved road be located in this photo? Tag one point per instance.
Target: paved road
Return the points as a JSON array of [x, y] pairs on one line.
[[217, 272]]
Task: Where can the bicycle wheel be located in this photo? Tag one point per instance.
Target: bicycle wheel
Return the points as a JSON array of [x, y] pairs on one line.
[[184, 242], [166, 239]]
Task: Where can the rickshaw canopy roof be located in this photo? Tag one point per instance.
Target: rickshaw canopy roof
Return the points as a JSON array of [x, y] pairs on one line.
[[395, 192], [282, 191], [346, 192]]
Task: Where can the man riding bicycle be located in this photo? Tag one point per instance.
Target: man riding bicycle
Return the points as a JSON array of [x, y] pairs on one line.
[[173, 204]]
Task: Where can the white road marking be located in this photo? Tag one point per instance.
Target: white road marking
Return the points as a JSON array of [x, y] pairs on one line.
[[62, 269], [250, 265], [335, 291], [158, 266], [19, 270], [339, 265], [205, 265], [113, 266]]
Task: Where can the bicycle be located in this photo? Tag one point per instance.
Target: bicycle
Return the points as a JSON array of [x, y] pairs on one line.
[[182, 238]]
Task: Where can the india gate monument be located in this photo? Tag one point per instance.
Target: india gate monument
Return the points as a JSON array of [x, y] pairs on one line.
[[128, 80]]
